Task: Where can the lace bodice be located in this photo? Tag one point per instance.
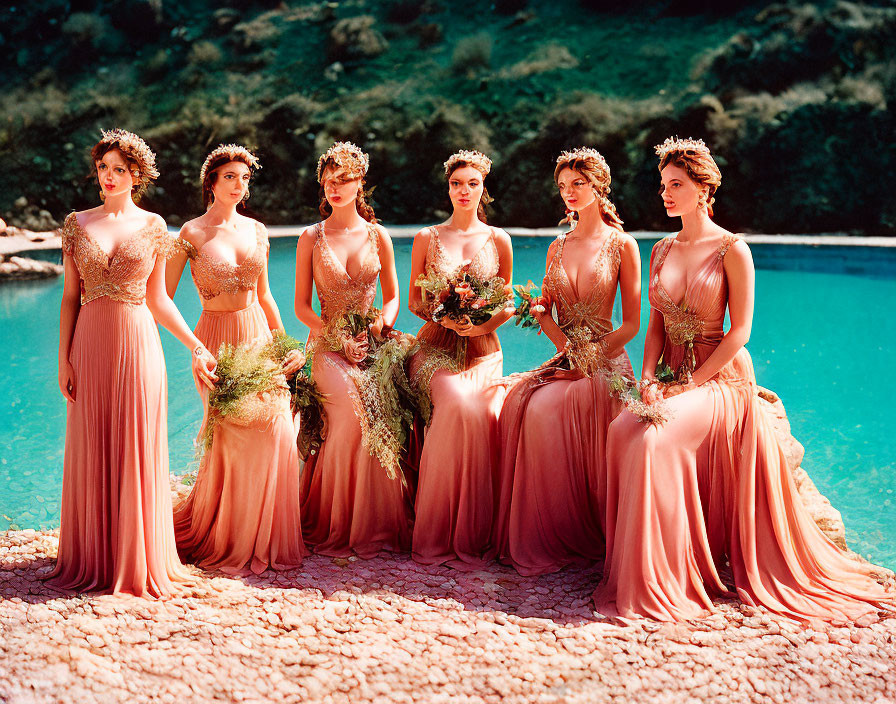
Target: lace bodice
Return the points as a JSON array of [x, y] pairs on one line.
[[214, 276], [337, 290], [591, 309], [121, 277], [483, 265]]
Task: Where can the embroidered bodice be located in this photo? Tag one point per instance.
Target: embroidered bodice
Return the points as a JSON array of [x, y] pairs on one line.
[[701, 313], [122, 276], [694, 326], [590, 308], [483, 265], [337, 290], [214, 276]]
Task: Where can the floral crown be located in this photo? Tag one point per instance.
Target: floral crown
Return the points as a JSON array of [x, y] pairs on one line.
[[134, 147], [231, 150], [477, 160], [676, 144], [584, 154], [347, 155]]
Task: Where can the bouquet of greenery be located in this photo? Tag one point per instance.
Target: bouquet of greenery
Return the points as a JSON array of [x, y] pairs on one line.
[[251, 381], [528, 303], [463, 296]]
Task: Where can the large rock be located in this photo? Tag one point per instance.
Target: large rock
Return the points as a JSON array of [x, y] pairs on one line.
[[22, 268], [825, 515]]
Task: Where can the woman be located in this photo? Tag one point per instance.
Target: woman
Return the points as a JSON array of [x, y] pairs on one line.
[[116, 531], [353, 498], [243, 512], [454, 369], [555, 419], [711, 483]]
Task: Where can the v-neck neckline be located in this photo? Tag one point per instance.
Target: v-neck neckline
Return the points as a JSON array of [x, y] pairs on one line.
[[682, 305], [248, 257], [344, 267], [110, 258], [472, 259], [597, 261]]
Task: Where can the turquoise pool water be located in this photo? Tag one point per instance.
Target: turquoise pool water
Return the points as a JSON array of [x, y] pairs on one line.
[[823, 339]]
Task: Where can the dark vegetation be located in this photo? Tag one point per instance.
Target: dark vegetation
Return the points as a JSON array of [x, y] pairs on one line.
[[794, 99]]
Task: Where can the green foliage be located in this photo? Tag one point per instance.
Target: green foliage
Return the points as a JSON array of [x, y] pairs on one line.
[[526, 295], [794, 99]]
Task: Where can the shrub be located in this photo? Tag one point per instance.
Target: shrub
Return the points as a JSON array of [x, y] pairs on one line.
[[472, 53], [355, 38]]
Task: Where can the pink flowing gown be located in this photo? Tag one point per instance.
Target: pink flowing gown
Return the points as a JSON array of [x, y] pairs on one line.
[[554, 428], [711, 485], [242, 514], [349, 503], [116, 531], [457, 484]]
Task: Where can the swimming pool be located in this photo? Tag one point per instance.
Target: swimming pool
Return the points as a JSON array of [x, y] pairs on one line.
[[823, 339]]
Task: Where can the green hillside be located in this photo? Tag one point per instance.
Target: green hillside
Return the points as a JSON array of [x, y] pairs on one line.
[[793, 98]]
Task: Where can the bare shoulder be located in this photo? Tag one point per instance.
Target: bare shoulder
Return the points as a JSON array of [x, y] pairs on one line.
[[307, 239], [192, 231], [85, 217], [501, 236], [382, 234], [628, 243], [423, 234]]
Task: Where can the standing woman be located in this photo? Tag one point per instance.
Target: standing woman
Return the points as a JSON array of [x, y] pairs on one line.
[[351, 502], [243, 511], [711, 484], [454, 370], [554, 421], [117, 533]]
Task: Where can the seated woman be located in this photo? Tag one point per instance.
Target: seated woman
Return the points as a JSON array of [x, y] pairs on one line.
[[711, 484], [554, 421]]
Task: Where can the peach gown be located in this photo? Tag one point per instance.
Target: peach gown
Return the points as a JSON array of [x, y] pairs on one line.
[[457, 483], [712, 484], [349, 503], [554, 429], [242, 515], [116, 531]]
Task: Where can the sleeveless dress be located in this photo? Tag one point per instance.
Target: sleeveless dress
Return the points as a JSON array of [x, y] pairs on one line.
[[243, 512], [554, 428], [350, 505], [712, 484], [457, 484], [116, 531]]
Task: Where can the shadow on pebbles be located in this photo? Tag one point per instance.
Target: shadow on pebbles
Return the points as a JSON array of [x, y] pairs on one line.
[[390, 630]]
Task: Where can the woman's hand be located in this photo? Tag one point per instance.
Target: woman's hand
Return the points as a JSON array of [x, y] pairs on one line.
[[293, 362], [355, 348], [204, 365], [461, 327], [67, 380], [650, 390], [472, 330], [678, 388]]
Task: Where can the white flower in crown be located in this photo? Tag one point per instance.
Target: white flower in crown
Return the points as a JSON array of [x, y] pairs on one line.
[[584, 154], [477, 160], [676, 144], [347, 155], [231, 150], [136, 147]]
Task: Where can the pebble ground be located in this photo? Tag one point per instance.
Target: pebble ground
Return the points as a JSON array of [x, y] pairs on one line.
[[390, 630]]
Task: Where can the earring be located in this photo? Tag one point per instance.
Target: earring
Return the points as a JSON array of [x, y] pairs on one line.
[[246, 197], [102, 195], [701, 200]]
